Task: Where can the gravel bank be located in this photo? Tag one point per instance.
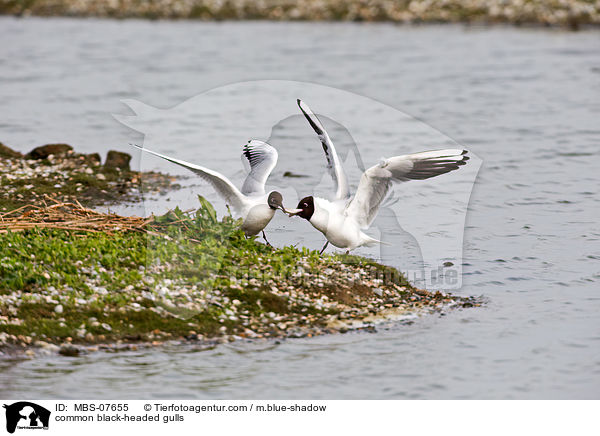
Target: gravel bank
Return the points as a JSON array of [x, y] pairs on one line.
[[567, 13], [56, 171]]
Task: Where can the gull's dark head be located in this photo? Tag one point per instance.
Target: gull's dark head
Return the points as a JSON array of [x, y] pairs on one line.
[[305, 208], [275, 201]]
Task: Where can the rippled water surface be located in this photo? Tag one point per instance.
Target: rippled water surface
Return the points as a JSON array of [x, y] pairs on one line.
[[524, 101]]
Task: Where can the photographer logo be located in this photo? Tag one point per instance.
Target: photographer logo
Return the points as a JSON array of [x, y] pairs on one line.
[[24, 415]]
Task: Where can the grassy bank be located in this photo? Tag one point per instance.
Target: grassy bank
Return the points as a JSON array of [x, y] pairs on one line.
[[571, 13], [187, 277]]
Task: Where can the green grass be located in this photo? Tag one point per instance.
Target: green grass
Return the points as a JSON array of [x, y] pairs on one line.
[[117, 279]]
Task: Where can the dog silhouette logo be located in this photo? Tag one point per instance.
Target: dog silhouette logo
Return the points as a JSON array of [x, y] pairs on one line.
[[26, 415]]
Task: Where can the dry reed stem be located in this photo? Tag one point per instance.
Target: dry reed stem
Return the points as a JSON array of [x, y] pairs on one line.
[[69, 216]]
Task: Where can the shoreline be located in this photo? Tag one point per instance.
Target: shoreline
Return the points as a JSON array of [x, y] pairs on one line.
[[74, 280], [57, 171], [570, 14]]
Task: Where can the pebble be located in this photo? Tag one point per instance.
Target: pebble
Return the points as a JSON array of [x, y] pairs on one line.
[[69, 350]]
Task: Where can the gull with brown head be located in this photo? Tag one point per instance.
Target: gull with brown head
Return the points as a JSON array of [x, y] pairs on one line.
[[251, 203], [344, 219]]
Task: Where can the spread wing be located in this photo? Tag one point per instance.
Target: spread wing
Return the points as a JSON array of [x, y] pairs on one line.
[[377, 180], [262, 158], [219, 182], [333, 161]]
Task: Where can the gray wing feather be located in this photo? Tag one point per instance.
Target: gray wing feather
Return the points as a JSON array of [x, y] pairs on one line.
[[262, 158], [333, 161], [221, 184], [376, 182]]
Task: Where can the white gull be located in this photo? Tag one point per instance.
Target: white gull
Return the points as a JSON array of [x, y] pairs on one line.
[[343, 220], [251, 203]]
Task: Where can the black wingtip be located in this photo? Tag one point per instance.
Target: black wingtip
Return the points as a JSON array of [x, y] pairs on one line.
[[315, 127], [464, 159], [298, 101]]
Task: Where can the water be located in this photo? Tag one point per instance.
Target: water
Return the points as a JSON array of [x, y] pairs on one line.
[[525, 101]]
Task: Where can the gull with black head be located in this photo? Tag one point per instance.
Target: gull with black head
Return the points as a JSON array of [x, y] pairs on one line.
[[344, 219], [251, 203]]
